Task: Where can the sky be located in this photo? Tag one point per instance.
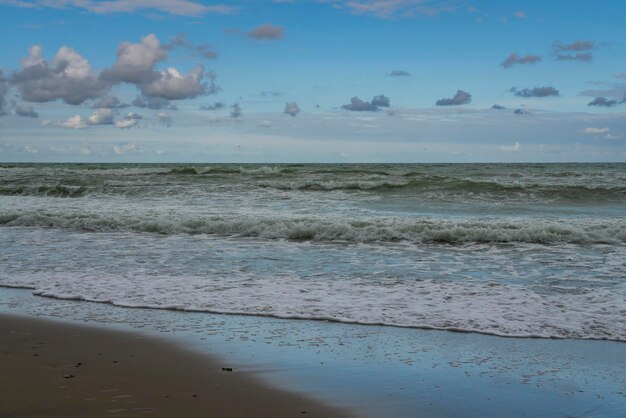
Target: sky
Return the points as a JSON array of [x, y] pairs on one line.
[[312, 81]]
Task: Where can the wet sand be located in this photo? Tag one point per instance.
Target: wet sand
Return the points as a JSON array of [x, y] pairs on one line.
[[52, 369]]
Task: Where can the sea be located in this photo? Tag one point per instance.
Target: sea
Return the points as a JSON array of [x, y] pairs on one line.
[[513, 250]]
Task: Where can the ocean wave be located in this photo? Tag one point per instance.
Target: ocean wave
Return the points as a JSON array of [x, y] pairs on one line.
[[461, 186], [451, 185], [211, 170], [428, 188], [429, 183], [57, 190], [341, 230]]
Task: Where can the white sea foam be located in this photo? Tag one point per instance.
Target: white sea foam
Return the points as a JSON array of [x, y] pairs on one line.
[[490, 308]]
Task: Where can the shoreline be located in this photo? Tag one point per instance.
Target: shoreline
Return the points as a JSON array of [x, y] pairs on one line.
[[371, 371], [51, 368]]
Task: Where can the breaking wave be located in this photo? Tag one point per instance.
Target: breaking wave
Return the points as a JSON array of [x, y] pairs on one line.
[[452, 185], [486, 308], [428, 187], [358, 231], [203, 170], [57, 190]]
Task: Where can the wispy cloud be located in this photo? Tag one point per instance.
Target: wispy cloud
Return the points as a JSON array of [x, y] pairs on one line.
[[172, 7], [203, 50], [214, 106], [514, 58], [399, 73], [267, 32], [581, 56], [395, 8], [125, 148], [511, 148], [596, 131], [615, 90], [603, 102], [575, 51], [604, 132], [4, 89], [535, 92]]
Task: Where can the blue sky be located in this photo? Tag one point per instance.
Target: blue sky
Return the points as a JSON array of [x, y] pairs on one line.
[[262, 55]]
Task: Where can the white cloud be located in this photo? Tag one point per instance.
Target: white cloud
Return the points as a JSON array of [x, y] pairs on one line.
[[135, 62], [596, 131], [74, 122], [164, 118], [30, 149], [73, 64], [605, 132], [126, 123], [67, 77], [34, 57], [511, 148], [172, 85], [125, 148], [101, 117], [131, 119]]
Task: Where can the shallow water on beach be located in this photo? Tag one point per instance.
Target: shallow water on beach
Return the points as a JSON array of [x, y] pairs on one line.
[[380, 371], [506, 249]]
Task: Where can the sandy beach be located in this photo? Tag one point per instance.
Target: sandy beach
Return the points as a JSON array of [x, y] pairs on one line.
[[52, 369]]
